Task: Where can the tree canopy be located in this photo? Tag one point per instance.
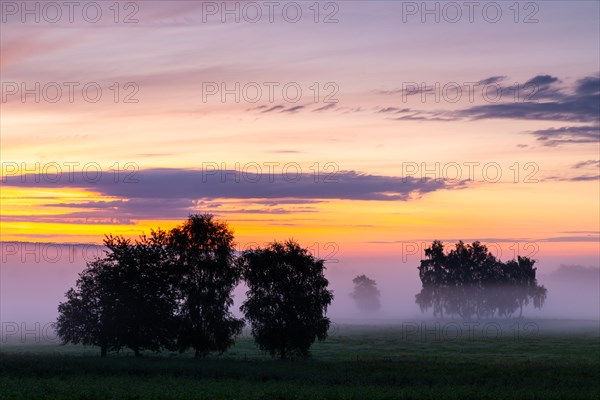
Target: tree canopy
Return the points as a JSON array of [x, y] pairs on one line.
[[287, 298], [173, 290], [125, 299], [469, 281], [203, 251], [365, 294]]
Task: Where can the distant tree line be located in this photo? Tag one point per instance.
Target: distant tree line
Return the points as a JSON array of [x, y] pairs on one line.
[[468, 281], [173, 289]]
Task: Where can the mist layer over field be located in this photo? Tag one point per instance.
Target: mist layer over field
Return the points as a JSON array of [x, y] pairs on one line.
[[34, 278]]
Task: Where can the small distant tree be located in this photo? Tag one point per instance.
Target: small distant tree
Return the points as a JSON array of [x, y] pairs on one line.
[[287, 298], [203, 251], [365, 294]]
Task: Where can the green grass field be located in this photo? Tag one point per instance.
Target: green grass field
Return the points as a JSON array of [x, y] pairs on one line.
[[557, 360]]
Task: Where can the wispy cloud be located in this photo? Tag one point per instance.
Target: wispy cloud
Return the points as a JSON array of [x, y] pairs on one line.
[[576, 178], [588, 163], [583, 105], [542, 98], [569, 134]]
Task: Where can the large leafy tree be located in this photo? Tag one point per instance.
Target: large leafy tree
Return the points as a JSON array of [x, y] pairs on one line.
[[469, 281], [87, 316], [203, 253], [146, 292], [287, 298], [365, 294], [126, 299]]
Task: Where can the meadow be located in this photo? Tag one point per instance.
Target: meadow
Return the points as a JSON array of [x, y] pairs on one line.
[[538, 359]]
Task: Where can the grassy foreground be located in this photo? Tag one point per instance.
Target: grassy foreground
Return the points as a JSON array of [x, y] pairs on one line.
[[356, 362]]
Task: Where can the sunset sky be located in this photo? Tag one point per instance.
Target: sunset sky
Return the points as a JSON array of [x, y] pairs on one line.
[[380, 148]]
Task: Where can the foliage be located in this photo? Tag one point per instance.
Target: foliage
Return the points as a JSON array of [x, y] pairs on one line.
[[287, 298], [170, 290], [365, 294], [203, 251], [85, 317], [125, 299], [469, 281]]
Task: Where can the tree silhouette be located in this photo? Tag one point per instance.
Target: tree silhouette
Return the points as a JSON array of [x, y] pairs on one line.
[[203, 252], [365, 294], [469, 281], [173, 290], [145, 315], [86, 316], [287, 298], [169, 290], [126, 299]]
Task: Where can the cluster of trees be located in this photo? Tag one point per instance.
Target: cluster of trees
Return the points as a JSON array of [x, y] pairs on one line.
[[468, 281], [173, 290]]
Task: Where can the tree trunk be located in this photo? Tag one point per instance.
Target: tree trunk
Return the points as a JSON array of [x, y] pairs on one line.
[[137, 353], [103, 350], [197, 355]]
